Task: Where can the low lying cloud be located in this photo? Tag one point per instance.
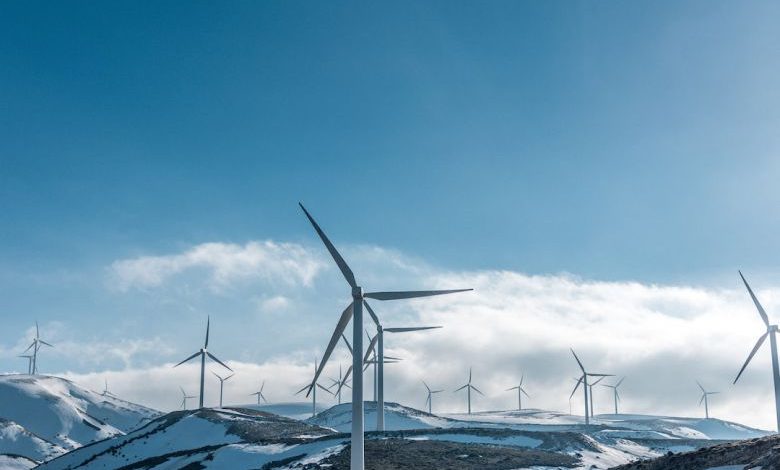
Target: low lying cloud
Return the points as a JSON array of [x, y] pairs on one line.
[[662, 338]]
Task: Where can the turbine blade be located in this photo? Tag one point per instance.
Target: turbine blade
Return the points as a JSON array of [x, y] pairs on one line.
[[752, 353], [437, 391], [761, 310], [217, 376], [597, 381], [346, 315], [477, 390], [578, 361], [411, 328], [579, 381], [372, 314], [29, 347], [191, 357], [469, 374], [410, 294], [513, 388], [44, 342], [426, 386], [262, 386], [349, 346], [221, 363], [601, 375], [264, 400], [702, 388], [332, 249], [524, 393], [371, 346], [327, 390], [228, 377], [305, 387], [461, 388], [208, 324], [702, 399], [619, 382]]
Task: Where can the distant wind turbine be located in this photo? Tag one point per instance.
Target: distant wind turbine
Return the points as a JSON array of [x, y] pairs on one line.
[[520, 392], [380, 376], [184, 398], [429, 400], [615, 394], [704, 395], [339, 384], [771, 331], [469, 388], [222, 381], [259, 394], [36, 346], [311, 389], [590, 386], [584, 380], [203, 353], [354, 311]]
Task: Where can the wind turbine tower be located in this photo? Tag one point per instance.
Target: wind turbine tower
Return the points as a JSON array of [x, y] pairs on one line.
[[354, 311], [469, 388], [429, 400], [222, 381], [771, 331], [203, 353], [520, 393], [615, 394], [584, 380], [704, 395]]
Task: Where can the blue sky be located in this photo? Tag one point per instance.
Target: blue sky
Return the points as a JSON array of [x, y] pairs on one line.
[[616, 141]]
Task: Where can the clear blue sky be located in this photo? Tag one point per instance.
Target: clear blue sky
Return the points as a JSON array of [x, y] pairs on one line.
[[613, 140]]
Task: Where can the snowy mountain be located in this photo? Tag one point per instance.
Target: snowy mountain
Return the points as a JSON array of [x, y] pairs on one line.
[[296, 410], [42, 417], [223, 438], [239, 438]]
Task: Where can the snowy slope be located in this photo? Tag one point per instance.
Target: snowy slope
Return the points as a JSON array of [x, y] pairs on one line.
[[297, 410], [397, 417], [209, 438], [42, 417]]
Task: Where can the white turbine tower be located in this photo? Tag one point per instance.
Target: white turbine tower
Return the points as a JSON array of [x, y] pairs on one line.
[[469, 388], [704, 395], [36, 344], [590, 386], [771, 331], [584, 380], [184, 398], [615, 394], [203, 353], [222, 381], [380, 376], [520, 393], [429, 399], [259, 394], [355, 312]]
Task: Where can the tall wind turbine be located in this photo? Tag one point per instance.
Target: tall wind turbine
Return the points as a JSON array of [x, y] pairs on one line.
[[259, 394], [520, 393], [184, 398], [203, 353], [771, 331], [584, 380], [380, 331], [469, 388], [222, 381], [29, 362], [615, 394], [36, 344], [704, 395], [355, 312], [429, 400]]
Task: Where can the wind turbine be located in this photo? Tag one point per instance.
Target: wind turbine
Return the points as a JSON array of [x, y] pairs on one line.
[[380, 331], [203, 353], [429, 400], [584, 380], [222, 381], [355, 312], [184, 398], [312, 387], [520, 392], [106, 392], [771, 331], [615, 393], [704, 395], [35, 346], [469, 388], [29, 362], [341, 382], [259, 394]]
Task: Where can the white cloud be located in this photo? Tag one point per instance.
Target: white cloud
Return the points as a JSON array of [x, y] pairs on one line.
[[223, 262], [660, 337]]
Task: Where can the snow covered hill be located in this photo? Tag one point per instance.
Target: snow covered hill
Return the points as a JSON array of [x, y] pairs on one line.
[[295, 410], [42, 417], [209, 438], [397, 417]]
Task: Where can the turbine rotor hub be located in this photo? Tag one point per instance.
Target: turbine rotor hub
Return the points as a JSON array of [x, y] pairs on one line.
[[357, 293]]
